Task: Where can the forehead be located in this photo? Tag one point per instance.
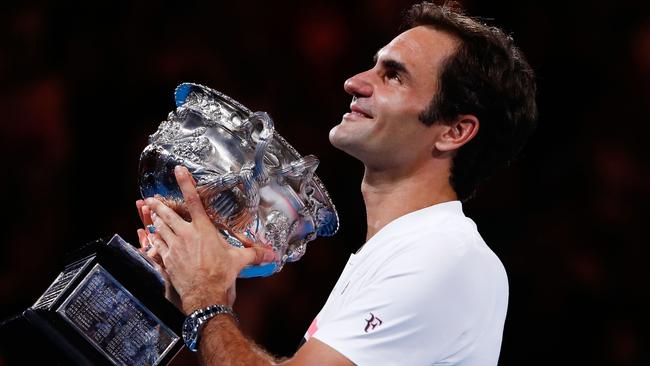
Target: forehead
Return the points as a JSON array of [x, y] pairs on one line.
[[420, 49]]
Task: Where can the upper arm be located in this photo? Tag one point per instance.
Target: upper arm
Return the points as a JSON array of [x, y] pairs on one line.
[[315, 352]]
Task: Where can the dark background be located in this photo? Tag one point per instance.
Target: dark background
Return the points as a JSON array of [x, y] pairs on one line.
[[82, 85]]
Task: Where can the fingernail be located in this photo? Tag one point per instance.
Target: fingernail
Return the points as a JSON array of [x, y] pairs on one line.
[[177, 169]]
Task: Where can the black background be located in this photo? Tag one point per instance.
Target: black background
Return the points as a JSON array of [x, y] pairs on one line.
[[82, 85]]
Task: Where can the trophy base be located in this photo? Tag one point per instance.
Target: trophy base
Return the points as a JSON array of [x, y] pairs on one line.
[[107, 307]]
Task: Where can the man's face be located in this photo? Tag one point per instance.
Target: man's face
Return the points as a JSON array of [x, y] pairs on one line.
[[382, 128]]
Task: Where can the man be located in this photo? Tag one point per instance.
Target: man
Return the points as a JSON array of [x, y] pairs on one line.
[[447, 102]]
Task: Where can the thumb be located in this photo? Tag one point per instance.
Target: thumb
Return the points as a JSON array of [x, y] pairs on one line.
[[255, 255]]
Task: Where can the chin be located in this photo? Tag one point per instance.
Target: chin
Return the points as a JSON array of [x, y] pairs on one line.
[[338, 137], [348, 140]]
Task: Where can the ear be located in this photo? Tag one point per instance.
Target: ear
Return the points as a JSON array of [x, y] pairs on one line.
[[457, 133]]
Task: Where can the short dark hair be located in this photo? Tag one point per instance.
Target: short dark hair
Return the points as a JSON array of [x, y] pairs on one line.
[[487, 77]]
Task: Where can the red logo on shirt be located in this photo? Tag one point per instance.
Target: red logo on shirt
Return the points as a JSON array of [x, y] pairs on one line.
[[372, 323]]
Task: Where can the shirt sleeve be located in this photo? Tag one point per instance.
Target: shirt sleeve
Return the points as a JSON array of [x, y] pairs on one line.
[[420, 307]]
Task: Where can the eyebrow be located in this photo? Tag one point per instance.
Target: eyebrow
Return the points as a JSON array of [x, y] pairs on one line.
[[392, 64]]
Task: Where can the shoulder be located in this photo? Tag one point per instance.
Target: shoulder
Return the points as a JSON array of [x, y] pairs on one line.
[[433, 232], [439, 251]]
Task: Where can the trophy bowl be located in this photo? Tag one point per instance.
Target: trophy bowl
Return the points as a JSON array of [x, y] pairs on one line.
[[256, 188]]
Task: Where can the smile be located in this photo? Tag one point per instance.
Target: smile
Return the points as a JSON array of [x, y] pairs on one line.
[[357, 111]]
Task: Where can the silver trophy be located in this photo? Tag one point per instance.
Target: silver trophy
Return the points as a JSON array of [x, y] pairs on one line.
[[256, 188], [107, 306]]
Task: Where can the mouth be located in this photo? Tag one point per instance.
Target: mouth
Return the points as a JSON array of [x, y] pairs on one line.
[[357, 111]]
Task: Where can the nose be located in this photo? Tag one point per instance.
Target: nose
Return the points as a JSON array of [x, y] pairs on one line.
[[358, 85]]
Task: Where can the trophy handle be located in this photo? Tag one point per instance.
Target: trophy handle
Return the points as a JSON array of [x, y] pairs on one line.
[[255, 173], [302, 169], [260, 173]]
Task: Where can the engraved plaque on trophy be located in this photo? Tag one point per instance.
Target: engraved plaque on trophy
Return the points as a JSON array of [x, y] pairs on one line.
[[115, 322], [108, 308]]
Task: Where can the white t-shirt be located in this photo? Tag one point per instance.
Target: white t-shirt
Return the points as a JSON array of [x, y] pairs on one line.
[[424, 290]]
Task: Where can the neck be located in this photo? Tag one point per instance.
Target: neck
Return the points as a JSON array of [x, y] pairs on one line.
[[388, 195]]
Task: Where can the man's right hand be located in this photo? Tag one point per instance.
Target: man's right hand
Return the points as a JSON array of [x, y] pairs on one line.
[[203, 267]]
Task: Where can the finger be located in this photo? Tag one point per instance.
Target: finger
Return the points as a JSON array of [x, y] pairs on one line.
[[159, 245], [166, 214], [255, 255], [152, 251], [142, 238], [155, 257], [142, 212], [146, 215], [192, 178], [246, 242], [163, 236], [187, 185], [138, 205]]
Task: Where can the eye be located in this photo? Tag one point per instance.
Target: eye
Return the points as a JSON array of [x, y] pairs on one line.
[[393, 75]]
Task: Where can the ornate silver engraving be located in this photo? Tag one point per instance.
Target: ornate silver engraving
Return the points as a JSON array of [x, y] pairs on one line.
[[255, 186]]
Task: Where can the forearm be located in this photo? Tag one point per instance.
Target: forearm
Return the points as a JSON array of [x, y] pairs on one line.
[[222, 343]]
